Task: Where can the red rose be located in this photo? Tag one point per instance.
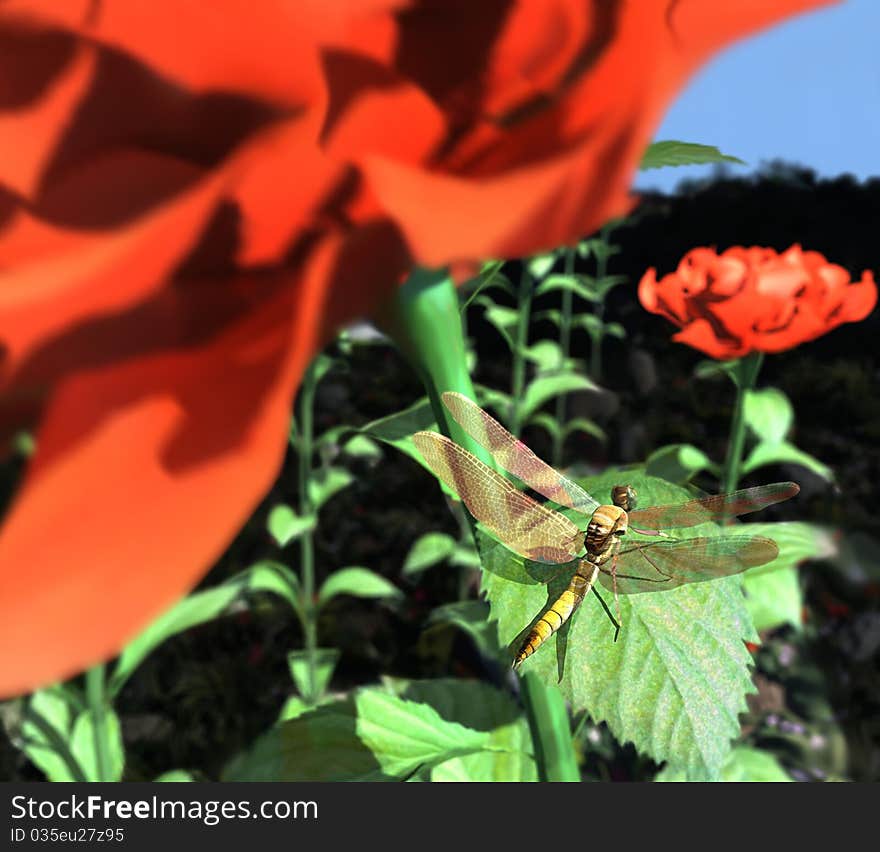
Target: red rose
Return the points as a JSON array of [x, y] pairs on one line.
[[755, 300], [194, 195]]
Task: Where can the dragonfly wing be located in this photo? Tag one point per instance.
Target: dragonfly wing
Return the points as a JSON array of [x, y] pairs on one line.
[[513, 455], [712, 508], [521, 523], [658, 566]]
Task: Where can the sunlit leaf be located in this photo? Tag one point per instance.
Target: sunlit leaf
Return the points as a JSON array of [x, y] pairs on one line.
[[588, 427], [361, 446], [428, 550], [285, 525], [678, 463], [785, 453], [773, 593], [675, 682], [326, 482], [472, 618], [301, 665], [768, 414], [358, 582], [545, 354], [541, 264], [175, 775], [46, 725], [377, 735], [82, 744], [544, 388], [742, 764], [673, 153]]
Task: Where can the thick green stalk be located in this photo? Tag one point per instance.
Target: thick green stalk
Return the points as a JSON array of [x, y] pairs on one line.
[[307, 544], [524, 315], [97, 703], [551, 733], [744, 375], [565, 351]]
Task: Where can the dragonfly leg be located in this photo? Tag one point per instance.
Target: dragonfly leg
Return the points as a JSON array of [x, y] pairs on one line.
[[614, 621], [614, 585]]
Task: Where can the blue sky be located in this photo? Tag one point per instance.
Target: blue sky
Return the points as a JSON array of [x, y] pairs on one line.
[[807, 91]]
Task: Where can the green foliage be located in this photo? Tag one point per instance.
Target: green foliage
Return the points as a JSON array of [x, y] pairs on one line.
[[58, 735], [676, 680], [472, 618], [769, 416], [544, 388], [377, 734], [428, 550], [397, 429], [742, 764], [773, 592], [679, 463], [326, 482], [300, 662], [285, 525], [673, 153], [358, 582]]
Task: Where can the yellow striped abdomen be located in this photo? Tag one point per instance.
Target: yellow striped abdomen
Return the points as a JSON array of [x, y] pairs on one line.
[[559, 611]]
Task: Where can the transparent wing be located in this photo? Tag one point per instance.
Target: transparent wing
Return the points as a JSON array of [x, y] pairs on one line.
[[513, 455], [524, 525], [712, 508], [661, 565]]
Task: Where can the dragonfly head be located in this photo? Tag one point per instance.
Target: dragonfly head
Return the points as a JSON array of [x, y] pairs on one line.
[[624, 496], [607, 521]]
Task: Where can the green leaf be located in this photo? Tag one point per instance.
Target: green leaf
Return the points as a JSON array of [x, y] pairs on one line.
[[285, 525], [742, 764], [299, 663], [541, 264], [774, 598], [360, 446], [546, 421], [358, 582], [465, 556], [615, 329], [675, 682], [588, 427], [504, 319], [327, 482], [377, 735], [322, 365], [544, 388], [768, 414], [545, 354], [428, 550], [472, 618], [678, 463], [711, 369], [196, 609], [549, 315], [174, 775], [82, 744], [274, 577], [773, 593], [785, 453], [674, 153], [45, 731], [397, 429]]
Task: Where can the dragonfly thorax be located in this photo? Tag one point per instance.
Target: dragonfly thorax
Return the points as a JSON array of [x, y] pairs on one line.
[[606, 523]]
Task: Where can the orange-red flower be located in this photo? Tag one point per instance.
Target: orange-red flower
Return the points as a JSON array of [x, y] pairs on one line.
[[194, 195], [755, 299]]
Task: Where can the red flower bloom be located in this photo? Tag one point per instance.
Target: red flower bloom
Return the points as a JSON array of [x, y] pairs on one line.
[[755, 300], [194, 195]]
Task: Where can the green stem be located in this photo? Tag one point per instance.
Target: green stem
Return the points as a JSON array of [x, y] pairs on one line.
[[551, 733], [744, 375], [307, 543], [565, 351], [524, 313], [97, 702]]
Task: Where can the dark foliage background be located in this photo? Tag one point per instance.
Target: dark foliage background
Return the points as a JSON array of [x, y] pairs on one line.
[[206, 694]]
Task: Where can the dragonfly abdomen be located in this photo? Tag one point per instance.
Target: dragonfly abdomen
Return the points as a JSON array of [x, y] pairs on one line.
[[559, 611]]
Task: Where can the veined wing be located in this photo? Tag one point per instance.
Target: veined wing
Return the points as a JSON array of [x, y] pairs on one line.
[[661, 565], [524, 525], [513, 455], [712, 508]]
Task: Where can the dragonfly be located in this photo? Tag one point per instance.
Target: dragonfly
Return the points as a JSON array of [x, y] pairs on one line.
[[599, 546]]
